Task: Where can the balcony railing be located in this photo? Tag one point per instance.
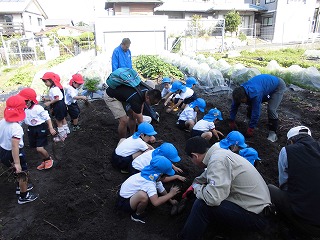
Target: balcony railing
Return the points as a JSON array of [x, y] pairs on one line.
[[11, 28]]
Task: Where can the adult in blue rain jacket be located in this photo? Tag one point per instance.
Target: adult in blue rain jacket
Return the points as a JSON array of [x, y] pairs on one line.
[[261, 88], [121, 56]]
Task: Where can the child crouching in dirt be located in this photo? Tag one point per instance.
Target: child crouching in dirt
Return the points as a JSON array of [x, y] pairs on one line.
[[57, 104], [131, 147], [71, 97], [11, 146], [188, 117], [167, 150], [205, 127], [38, 120], [140, 188]]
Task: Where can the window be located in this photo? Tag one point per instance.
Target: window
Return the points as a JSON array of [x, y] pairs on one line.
[[125, 10], [256, 2], [40, 22], [8, 18], [267, 21], [270, 1]]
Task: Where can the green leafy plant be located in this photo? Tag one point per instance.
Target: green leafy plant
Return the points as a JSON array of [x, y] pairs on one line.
[[91, 84], [233, 20], [152, 67]]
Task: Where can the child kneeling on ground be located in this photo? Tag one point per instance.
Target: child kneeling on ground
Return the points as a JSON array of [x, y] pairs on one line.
[[140, 188], [131, 147], [206, 126], [188, 117]]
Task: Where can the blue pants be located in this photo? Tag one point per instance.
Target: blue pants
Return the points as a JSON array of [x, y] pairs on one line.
[[226, 214]]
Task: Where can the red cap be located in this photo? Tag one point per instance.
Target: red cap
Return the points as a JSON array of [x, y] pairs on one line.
[[53, 77], [29, 94], [77, 78], [14, 111]]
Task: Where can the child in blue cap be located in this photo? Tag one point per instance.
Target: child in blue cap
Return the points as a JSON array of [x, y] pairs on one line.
[[191, 82], [136, 192], [184, 95], [206, 126], [166, 83], [234, 141], [250, 154], [188, 117], [167, 150], [131, 147]]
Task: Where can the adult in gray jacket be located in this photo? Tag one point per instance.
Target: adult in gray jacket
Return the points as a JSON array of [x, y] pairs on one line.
[[230, 192]]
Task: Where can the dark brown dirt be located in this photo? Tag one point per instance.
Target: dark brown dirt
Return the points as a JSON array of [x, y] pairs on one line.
[[77, 196]]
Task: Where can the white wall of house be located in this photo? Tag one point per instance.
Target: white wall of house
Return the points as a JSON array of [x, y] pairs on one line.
[[147, 33]]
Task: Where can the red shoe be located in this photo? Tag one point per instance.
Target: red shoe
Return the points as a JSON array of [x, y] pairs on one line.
[[48, 164], [41, 166]]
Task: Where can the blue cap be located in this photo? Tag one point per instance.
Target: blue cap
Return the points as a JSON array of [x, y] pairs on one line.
[[144, 128], [233, 138], [250, 154], [212, 115], [158, 165], [166, 80], [167, 150], [200, 103], [191, 81], [177, 85]]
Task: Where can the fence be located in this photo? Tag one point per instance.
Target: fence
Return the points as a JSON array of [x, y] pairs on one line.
[[15, 52]]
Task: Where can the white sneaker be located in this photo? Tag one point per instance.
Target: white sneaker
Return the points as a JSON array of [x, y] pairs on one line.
[[272, 136]]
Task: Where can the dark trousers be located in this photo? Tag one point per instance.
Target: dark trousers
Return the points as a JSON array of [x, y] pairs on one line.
[[280, 199], [226, 214]]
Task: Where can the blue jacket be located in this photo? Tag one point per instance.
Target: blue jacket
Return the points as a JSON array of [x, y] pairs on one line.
[[121, 59], [258, 90]]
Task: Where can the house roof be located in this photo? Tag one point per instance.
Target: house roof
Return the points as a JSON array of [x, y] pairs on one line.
[[178, 6], [134, 1], [50, 29], [19, 6]]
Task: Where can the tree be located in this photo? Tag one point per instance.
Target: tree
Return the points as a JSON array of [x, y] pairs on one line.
[[233, 20]]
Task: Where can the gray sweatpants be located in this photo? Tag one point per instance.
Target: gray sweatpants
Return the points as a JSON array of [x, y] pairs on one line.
[[275, 100]]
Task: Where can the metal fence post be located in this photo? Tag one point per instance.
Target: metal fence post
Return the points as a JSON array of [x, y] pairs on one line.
[[20, 52], [5, 50]]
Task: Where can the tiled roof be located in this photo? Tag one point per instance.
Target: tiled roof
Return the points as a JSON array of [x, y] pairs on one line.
[[134, 1], [13, 6]]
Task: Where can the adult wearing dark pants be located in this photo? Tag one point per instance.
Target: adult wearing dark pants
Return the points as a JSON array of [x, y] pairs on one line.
[[261, 88], [116, 99], [298, 197], [230, 192], [121, 56]]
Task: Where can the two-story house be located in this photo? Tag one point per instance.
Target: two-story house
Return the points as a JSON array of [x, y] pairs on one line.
[[23, 17], [131, 7]]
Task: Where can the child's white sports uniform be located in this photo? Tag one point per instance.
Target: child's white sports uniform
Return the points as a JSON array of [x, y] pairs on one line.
[[143, 160], [130, 146], [137, 183], [204, 126]]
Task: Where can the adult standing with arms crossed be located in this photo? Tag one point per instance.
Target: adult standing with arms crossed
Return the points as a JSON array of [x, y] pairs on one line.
[[121, 56]]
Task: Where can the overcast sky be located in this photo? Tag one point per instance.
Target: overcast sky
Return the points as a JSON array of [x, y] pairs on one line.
[[76, 10]]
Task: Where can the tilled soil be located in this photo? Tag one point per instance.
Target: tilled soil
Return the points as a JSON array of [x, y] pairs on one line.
[[77, 196]]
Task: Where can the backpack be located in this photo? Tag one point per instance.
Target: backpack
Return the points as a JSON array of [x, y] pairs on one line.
[[123, 76]]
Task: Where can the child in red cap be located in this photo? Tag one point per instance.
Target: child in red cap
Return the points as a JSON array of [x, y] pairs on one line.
[[11, 146], [71, 97], [57, 104], [38, 122]]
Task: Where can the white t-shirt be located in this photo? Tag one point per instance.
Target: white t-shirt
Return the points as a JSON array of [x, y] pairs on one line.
[[69, 94], [36, 115], [204, 125], [188, 93], [137, 183], [8, 131], [188, 114], [55, 91], [142, 161], [130, 146]]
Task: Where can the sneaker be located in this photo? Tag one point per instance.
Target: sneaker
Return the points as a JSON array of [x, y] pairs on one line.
[[75, 128], [138, 218], [67, 130], [29, 198], [29, 187], [48, 164], [41, 166]]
